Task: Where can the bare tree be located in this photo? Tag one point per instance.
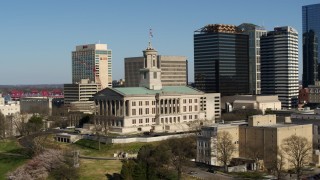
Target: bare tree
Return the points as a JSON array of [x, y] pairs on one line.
[[2, 126], [225, 148], [298, 150], [276, 162], [255, 154]]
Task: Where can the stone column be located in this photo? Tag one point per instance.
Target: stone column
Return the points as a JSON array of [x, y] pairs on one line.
[[129, 108], [104, 108], [124, 108], [100, 107]]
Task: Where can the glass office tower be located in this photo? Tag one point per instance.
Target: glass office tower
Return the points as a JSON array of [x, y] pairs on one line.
[[221, 59], [279, 65], [311, 52]]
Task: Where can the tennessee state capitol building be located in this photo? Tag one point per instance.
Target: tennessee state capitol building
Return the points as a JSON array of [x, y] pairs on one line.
[[153, 107]]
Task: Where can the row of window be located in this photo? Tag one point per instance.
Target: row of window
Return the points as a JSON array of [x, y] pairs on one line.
[[140, 121]]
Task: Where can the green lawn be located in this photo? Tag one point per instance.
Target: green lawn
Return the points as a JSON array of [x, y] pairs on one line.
[[9, 162], [98, 169]]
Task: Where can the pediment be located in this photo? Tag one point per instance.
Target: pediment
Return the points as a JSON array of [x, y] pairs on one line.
[[108, 93]]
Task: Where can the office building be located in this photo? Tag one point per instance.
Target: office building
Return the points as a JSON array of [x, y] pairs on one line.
[[10, 107], [221, 59], [207, 142], [152, 106], [258, 139], [93, 62], [174, 70], [311, 51], [279, 65], [254, 32], [82, 91], [258, 102]]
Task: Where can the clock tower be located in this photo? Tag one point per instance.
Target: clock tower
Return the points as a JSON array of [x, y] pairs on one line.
[[150, 74]]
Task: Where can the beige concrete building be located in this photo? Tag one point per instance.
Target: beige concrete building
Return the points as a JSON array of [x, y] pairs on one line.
[[263, 136], [82, 91], [93, 62], [257, 140], [259, 102], [153, 107], [207, 142], [173, 70]]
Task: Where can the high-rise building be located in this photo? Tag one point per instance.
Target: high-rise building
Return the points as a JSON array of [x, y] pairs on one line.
[[173, 70], [279, 65], [82, 91], [93, 62], [254, 32], [311, 51], [221, 59]]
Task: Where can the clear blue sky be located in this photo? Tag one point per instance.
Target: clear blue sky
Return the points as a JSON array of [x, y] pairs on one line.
[[37, 36]]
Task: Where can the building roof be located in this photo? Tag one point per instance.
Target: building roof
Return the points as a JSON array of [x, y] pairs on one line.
[[164, 90]]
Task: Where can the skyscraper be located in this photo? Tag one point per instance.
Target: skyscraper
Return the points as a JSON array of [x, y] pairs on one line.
[[254, 32], [311, 51], [279, 65], [93, 62], [221, 59], [173, 70]]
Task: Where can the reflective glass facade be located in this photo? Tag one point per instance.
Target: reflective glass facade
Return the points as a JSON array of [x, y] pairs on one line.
[[221, 62], [311, 52]]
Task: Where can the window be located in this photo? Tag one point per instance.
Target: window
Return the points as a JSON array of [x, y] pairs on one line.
[[133, 103], [140, 103], [153, 110], [195, 100], [190, 100], [153, 120], [195, 117], [184, 117], [134, 112], [140, 121], [195, 108], [154, 75], [153, 102], [184, 101], [140, 111], [147, 110], [147, 120], [134, 121], [190, 108], [184, 108], [190, 116], [147, 103]]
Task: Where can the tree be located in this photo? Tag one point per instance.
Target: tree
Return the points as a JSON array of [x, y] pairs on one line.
[[35, 124], [225, 148], [276, 162], [298, 150], [255, 153], [2, 126], [182, 150]]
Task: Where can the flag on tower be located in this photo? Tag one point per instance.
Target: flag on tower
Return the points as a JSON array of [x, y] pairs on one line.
[[150, 32]]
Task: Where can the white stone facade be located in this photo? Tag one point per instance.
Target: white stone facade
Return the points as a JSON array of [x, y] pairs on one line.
[[157, 112]]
